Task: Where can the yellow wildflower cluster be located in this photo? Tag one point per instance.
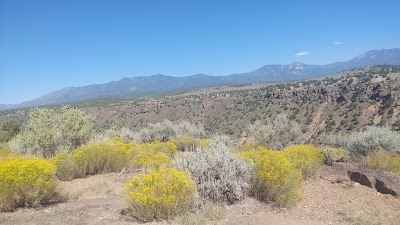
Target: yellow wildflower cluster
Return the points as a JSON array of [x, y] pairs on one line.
[[306, 158], [24, 182], [153, 155], [161, 194], [190, 143], [275, 178]]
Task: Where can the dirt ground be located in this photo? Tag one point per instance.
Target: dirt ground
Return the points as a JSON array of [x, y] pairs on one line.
[[329, 198]]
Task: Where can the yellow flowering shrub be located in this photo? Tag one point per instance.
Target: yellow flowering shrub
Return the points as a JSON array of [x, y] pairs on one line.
[[394, 164], [168, 147], [306, 158], [153, 155], [188, 143], [148, 160], [5, 152], [66, 166], [377, 160], [25, 182], [104, 157], [333, 154], [161, 194], [275, 178]]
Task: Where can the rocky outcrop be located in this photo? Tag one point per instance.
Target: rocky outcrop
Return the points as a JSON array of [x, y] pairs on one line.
[[384, 188], [383, 181], [360, 178]]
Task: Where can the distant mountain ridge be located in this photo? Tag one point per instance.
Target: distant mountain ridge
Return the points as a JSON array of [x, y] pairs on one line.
[[161, 84]]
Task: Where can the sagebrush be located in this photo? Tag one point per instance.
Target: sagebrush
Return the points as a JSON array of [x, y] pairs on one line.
[[276, 134], [167, 130], [363, 142], [219, 175]]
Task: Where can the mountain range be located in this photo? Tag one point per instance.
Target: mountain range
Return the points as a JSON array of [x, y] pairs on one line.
[[134, 87]]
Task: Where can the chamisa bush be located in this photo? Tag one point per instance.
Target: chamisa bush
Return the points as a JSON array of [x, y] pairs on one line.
[[153, 155], [363, 142], [161, 194], [94, 158], [26, 183], [219, 175], [6, 151], [333, 154], [66, 166], [275, 178], [394, 164], [306, 158], [377, 160]]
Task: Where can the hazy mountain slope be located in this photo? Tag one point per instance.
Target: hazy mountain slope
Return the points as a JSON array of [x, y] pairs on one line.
[[348, 101], [135, 85], [160, 84]]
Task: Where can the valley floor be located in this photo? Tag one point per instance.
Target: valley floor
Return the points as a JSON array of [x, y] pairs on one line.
[[329, 198]]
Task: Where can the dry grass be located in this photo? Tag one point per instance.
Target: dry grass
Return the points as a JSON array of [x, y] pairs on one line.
[[210, 212]]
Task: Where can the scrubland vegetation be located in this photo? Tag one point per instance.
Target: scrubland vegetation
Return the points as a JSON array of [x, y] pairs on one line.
[[180, 167]]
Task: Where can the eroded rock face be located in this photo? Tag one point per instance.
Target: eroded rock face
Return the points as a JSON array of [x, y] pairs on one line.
[[381, 187], [360, 178], [381, 181]]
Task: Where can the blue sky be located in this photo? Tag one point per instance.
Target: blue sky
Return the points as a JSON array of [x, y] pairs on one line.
[[48, 45]]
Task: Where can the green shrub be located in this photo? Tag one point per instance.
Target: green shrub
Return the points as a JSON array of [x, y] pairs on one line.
[[377, 160], [161, 194], [10, 129], [306, 158], [25, 183], [275, 178], [394, 164], [219, 175], [50, 131], [333, 154]]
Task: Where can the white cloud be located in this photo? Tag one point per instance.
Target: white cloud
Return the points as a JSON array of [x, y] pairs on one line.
[[302, 53], [338, 43]]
